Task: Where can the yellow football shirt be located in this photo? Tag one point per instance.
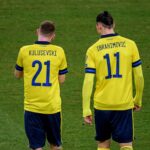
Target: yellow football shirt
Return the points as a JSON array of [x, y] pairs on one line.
[[41, 64], [112, 59]]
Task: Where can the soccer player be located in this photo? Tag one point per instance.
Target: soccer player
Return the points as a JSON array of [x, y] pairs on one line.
[[43, 67], [112, 59]]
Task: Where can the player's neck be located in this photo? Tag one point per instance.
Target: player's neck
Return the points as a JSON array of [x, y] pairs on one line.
[[107, 31], [43, 38]]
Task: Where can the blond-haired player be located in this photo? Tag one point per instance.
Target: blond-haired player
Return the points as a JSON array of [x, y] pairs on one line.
[[43, 67]]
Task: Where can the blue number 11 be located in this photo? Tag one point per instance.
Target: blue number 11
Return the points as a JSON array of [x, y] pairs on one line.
[[117, 75]]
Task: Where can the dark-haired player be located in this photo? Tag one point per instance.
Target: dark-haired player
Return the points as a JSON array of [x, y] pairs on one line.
[[43, 67], [112, 59]]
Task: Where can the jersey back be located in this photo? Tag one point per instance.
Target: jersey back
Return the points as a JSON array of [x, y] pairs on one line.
[[111, 58], [41, 64]]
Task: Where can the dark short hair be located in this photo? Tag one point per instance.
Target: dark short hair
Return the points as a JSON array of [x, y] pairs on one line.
[[106, 19], [47, 27]]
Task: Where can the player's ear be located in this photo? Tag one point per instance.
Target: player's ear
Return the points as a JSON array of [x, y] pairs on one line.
[[53, 36], [99, 27], [96, 25], [114, 25], [37, 31]]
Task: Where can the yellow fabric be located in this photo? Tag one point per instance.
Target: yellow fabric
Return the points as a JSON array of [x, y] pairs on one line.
[[126, 148], [86, 94], [103, 149], [42, 99], [113, 93], [139, 85]]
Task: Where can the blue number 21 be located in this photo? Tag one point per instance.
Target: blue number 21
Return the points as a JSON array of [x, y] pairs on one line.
[[117, 75], [39, 64]]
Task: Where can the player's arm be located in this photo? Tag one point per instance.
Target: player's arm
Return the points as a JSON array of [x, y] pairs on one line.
[[61, 78], [138, 77], [18, 73], [139, 85], [86, 97], [88, 86], [62, 69]]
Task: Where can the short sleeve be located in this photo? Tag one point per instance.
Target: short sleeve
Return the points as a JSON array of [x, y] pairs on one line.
[[63, 66], [136, 61], [90, 63], [19, 63]]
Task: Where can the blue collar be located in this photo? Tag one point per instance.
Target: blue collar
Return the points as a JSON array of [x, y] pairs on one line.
[[42, 42], [108, 35]]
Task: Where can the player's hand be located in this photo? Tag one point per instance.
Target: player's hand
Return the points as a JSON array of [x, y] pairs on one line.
[[136, 108], [88, 120]]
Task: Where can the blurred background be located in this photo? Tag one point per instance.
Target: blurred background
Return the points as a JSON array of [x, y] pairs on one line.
[[75, 32]]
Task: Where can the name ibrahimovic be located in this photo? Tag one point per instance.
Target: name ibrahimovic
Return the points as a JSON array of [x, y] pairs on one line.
[[111, 45]]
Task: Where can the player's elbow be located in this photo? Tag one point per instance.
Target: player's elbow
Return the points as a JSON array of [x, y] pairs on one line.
[[61, 79], [142, 80], [139, 80], [140, 77], [88, 81], [18, 74]]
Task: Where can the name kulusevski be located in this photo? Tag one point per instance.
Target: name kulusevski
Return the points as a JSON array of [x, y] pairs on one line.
[[42, 53]]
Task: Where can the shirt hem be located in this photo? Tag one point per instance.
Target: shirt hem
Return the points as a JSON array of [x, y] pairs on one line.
[[100, 106], [42, 112]]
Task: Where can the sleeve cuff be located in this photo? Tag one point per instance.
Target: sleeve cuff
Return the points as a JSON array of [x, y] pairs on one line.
[[87, 113], [137, 101], [19, 68], [90, 70], [64, 71], [136, 63]]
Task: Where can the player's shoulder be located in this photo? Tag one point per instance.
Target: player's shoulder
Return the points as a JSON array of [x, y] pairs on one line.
[[27, 46], [127, 40], [60, 51], [93, 47], [57, 47]]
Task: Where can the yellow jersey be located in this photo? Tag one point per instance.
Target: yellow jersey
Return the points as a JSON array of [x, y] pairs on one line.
[[112, 59], [41, 64]]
